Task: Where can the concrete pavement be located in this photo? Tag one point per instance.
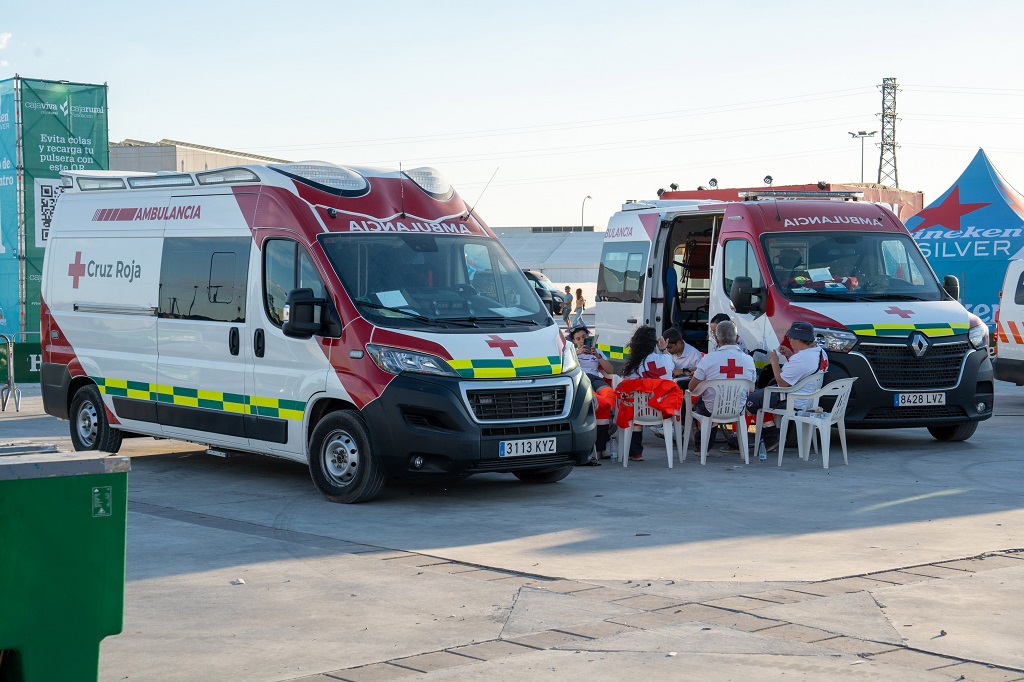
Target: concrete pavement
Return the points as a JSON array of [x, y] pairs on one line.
[[906, 564]]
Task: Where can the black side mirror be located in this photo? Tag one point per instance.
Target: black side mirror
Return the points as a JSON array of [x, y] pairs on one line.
[[952, 286], [300, 320], [742, 293]]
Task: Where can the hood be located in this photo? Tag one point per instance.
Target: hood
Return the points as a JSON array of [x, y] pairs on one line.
[[897, 319]]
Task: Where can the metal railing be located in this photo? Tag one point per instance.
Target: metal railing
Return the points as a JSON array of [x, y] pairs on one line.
[[10, 388]]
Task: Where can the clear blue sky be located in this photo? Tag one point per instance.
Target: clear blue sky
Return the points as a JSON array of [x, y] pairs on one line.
[[565, 99]]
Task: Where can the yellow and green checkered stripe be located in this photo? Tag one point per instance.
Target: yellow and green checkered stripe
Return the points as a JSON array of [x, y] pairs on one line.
[[210, 400], [903, 330], [505, 369], [613, 352]]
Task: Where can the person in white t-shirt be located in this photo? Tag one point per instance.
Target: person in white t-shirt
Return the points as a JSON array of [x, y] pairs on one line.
[[644, 362], [684, 356], [728, 362], [805, 358]]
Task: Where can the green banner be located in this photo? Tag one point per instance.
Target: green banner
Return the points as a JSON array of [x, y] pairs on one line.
[[27, 359], [10, 304], [64, 127]]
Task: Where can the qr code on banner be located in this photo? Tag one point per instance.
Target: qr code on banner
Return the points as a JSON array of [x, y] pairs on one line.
[[47, 193]]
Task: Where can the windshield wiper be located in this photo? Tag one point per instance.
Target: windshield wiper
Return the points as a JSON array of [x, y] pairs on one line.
[[490, 318], [410, 314], [828, 295], [892, 297]]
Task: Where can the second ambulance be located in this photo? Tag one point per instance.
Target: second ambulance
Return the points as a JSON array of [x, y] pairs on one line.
[[849, 268]]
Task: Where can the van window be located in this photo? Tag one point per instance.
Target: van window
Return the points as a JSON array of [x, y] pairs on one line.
[[740, 261], [204, 278], [621, 276], [287, 266], [898, 263], [1018, 295]]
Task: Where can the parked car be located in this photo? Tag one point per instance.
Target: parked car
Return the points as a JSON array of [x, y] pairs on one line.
[[547, 291]]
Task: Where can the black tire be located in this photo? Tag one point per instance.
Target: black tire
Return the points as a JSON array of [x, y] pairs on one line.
[[955, 433], [546, 476], [90, 429], [342, 462]]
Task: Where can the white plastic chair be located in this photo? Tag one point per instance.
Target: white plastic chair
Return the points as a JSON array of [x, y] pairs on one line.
[[808, 384], [643, 415], [730, 400], [822, 421]]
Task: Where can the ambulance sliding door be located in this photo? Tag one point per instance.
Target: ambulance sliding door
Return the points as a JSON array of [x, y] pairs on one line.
[[203, 356]]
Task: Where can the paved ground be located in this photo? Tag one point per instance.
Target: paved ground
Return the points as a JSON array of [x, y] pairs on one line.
[[908, 564]]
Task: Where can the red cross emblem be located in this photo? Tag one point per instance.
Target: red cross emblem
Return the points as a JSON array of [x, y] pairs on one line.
[[893, 310], [76, 270], [653, 371], [506, 345], [731, 369]]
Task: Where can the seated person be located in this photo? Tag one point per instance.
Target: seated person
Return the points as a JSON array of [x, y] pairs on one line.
[[644, 362], [684, 356], [721, 364], [592, 362], [804, 359], [713, 325]]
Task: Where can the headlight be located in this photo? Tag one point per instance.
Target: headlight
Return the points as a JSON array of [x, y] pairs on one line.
[[978, 336], [398, 360], [838, 340], [569, 360]]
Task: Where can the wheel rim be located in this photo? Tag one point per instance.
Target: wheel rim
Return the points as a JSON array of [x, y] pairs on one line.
[[87, 423], [340, 458]]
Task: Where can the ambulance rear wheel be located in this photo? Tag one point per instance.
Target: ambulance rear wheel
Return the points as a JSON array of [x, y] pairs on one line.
[[342, 462], [955, 433], [551, 476], [90, 429]]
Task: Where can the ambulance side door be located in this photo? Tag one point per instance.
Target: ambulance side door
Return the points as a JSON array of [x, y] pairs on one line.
[[203, 357], [286, 373]]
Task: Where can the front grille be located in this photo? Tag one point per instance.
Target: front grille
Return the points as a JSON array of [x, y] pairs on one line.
[[529, 430], [511, 404], [507, 463], [897, 368], [916, 412]]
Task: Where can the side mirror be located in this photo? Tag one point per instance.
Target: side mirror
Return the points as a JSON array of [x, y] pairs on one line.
[[300, 320], [742, 293], [952, 286]]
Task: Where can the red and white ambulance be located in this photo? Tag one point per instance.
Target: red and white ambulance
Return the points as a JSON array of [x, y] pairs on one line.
[[361, 320], [850, 268]]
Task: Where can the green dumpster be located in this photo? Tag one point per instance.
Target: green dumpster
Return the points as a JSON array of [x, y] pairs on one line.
[[62, 550]]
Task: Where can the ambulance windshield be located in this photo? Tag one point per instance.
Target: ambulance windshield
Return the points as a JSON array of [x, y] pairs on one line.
[[854, 266], [452, 282]]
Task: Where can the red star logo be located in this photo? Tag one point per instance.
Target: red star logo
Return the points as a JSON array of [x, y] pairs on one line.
[[948, 213]]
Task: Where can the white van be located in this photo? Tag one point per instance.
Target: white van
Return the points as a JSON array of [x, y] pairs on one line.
[[849, 268], [1009, 361], [361, 320]]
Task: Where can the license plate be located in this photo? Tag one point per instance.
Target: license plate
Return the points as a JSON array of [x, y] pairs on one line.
[[532, 446], [906, 399]]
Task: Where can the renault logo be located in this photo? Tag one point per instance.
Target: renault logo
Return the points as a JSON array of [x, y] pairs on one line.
[[919, 344]]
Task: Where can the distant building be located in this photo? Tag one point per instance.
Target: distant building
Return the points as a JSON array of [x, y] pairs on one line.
[[176, 156]]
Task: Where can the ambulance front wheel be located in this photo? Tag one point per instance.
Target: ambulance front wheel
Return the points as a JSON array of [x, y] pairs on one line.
[[550, 476], [90, 429], [341, 459]]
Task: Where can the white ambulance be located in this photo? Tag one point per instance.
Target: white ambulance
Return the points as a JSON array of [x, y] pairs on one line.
[[361, 320], [850, 268], [1009, 361]]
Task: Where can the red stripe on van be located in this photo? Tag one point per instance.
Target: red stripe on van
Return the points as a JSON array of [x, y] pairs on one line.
[[1013, 330]]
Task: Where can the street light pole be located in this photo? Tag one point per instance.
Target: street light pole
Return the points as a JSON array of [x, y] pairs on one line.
[[862, 134], [581, 210]]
